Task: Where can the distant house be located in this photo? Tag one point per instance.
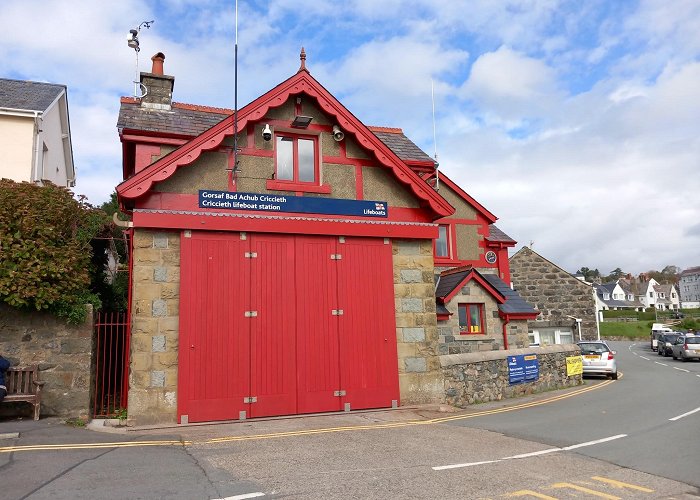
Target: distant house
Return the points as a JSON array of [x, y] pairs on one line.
[[35, 135], [689, 287], [666, 298], [565, 303], [613, 297]]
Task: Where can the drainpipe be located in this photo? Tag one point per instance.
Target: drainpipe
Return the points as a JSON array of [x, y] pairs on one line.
[[506, 320]]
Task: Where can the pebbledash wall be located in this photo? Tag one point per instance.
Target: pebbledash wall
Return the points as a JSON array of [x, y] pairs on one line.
[[63, 354], [480, 377], [155, 316]]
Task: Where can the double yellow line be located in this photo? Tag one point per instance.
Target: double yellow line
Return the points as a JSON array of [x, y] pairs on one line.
[[278, 435]]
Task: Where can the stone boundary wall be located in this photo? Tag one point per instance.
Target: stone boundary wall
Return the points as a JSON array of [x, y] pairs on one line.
[[479, 377], [63, 353]]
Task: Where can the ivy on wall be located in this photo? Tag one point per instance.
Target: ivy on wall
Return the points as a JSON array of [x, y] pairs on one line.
[[45, 249]]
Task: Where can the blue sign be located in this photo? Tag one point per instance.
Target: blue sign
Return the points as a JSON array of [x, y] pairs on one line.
[[523, 368], [283, 203]]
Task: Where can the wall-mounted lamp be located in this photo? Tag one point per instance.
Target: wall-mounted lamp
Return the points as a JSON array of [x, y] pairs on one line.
[[338, 134], [301, 121], [267, 132]]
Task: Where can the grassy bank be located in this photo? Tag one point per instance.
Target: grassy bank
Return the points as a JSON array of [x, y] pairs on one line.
[[633, 329]]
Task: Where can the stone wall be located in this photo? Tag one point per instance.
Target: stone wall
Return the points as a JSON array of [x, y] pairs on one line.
[[554, 292], [63, 353], [480, 377], [155, 327], [420, 378]]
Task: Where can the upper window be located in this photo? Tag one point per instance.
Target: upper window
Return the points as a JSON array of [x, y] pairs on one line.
[[442, 244], [471, 319], [296, 159]]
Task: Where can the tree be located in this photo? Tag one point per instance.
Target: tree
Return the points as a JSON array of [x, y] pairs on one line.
[[45, 243], [616, 274], [590, 275], [110, 258]]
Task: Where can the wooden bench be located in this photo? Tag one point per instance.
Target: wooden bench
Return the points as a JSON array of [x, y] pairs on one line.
[[23, 385]]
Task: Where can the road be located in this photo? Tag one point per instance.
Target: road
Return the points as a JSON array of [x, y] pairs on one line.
[[651, 406], [604, 440]]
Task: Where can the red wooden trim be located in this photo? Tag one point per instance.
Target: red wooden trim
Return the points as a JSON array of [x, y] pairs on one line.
[[340, 160], [482, 314], [301, 82], [153, 139], [473, 274], [421, 164], [280, 225], [443, 316], [512, 316], [299, 187]]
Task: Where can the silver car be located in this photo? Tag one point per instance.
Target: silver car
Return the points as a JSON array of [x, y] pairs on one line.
[[598, 359], [686, 347]]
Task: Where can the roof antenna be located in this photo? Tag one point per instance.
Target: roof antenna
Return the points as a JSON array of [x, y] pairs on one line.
[[132, 39], [437, 164], [234, 171]]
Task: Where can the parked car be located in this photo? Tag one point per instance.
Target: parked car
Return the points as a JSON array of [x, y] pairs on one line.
[[598, 359], [665, 344], [686, 347]]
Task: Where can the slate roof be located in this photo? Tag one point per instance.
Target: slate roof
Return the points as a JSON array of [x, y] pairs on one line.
[[29, 96], [514, 303], [401, 145], [182, 119], [496, 235], [690, 271]]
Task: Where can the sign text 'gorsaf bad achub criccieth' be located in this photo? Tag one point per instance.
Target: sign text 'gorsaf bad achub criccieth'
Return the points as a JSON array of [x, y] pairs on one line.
[[284, 203]]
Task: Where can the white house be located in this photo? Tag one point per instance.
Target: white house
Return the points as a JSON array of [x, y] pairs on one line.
[[35, 138], [689, 287]]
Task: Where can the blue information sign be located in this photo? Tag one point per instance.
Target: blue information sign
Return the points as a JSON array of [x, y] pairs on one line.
[[523, 368], [284, 203]]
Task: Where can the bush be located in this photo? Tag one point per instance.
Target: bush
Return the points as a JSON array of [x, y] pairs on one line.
[[45, 237]]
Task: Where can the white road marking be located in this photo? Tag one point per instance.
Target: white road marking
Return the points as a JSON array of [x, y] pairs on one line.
[[534, 453], [457, 466], [662, 364], [597, 441], [644, 357], [243, 497], [685, 414], [681, 369]]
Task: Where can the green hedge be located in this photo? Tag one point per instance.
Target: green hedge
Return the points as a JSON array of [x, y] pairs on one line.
[[626, 313]]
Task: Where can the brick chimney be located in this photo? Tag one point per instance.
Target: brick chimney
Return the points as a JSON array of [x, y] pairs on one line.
[[159, 87]]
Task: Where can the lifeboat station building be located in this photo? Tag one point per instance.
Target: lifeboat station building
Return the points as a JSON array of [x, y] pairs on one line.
[[327, 270]]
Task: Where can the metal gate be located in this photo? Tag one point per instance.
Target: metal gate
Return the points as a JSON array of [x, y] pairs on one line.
[[111, 364]]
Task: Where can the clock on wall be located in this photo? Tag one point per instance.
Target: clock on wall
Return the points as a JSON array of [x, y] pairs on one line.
[[491, 257]]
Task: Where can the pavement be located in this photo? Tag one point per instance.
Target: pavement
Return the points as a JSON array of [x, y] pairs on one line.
[[19, 432]]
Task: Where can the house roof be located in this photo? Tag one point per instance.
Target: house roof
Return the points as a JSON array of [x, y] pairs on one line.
[[401, 145], [301, 82], [28, 96], [186, 120], [690, 271], [509, 301], [514, 303], [496, 235]]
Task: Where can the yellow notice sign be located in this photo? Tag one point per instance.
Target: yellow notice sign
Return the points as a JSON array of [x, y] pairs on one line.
[[574, 365]]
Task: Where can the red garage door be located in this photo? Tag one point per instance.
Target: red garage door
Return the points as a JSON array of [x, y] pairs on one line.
[[277, 325]]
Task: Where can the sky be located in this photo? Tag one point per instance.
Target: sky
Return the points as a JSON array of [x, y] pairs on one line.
[[576, 123]]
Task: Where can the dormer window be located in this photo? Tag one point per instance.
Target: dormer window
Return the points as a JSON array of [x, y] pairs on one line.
[[606, 296]]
